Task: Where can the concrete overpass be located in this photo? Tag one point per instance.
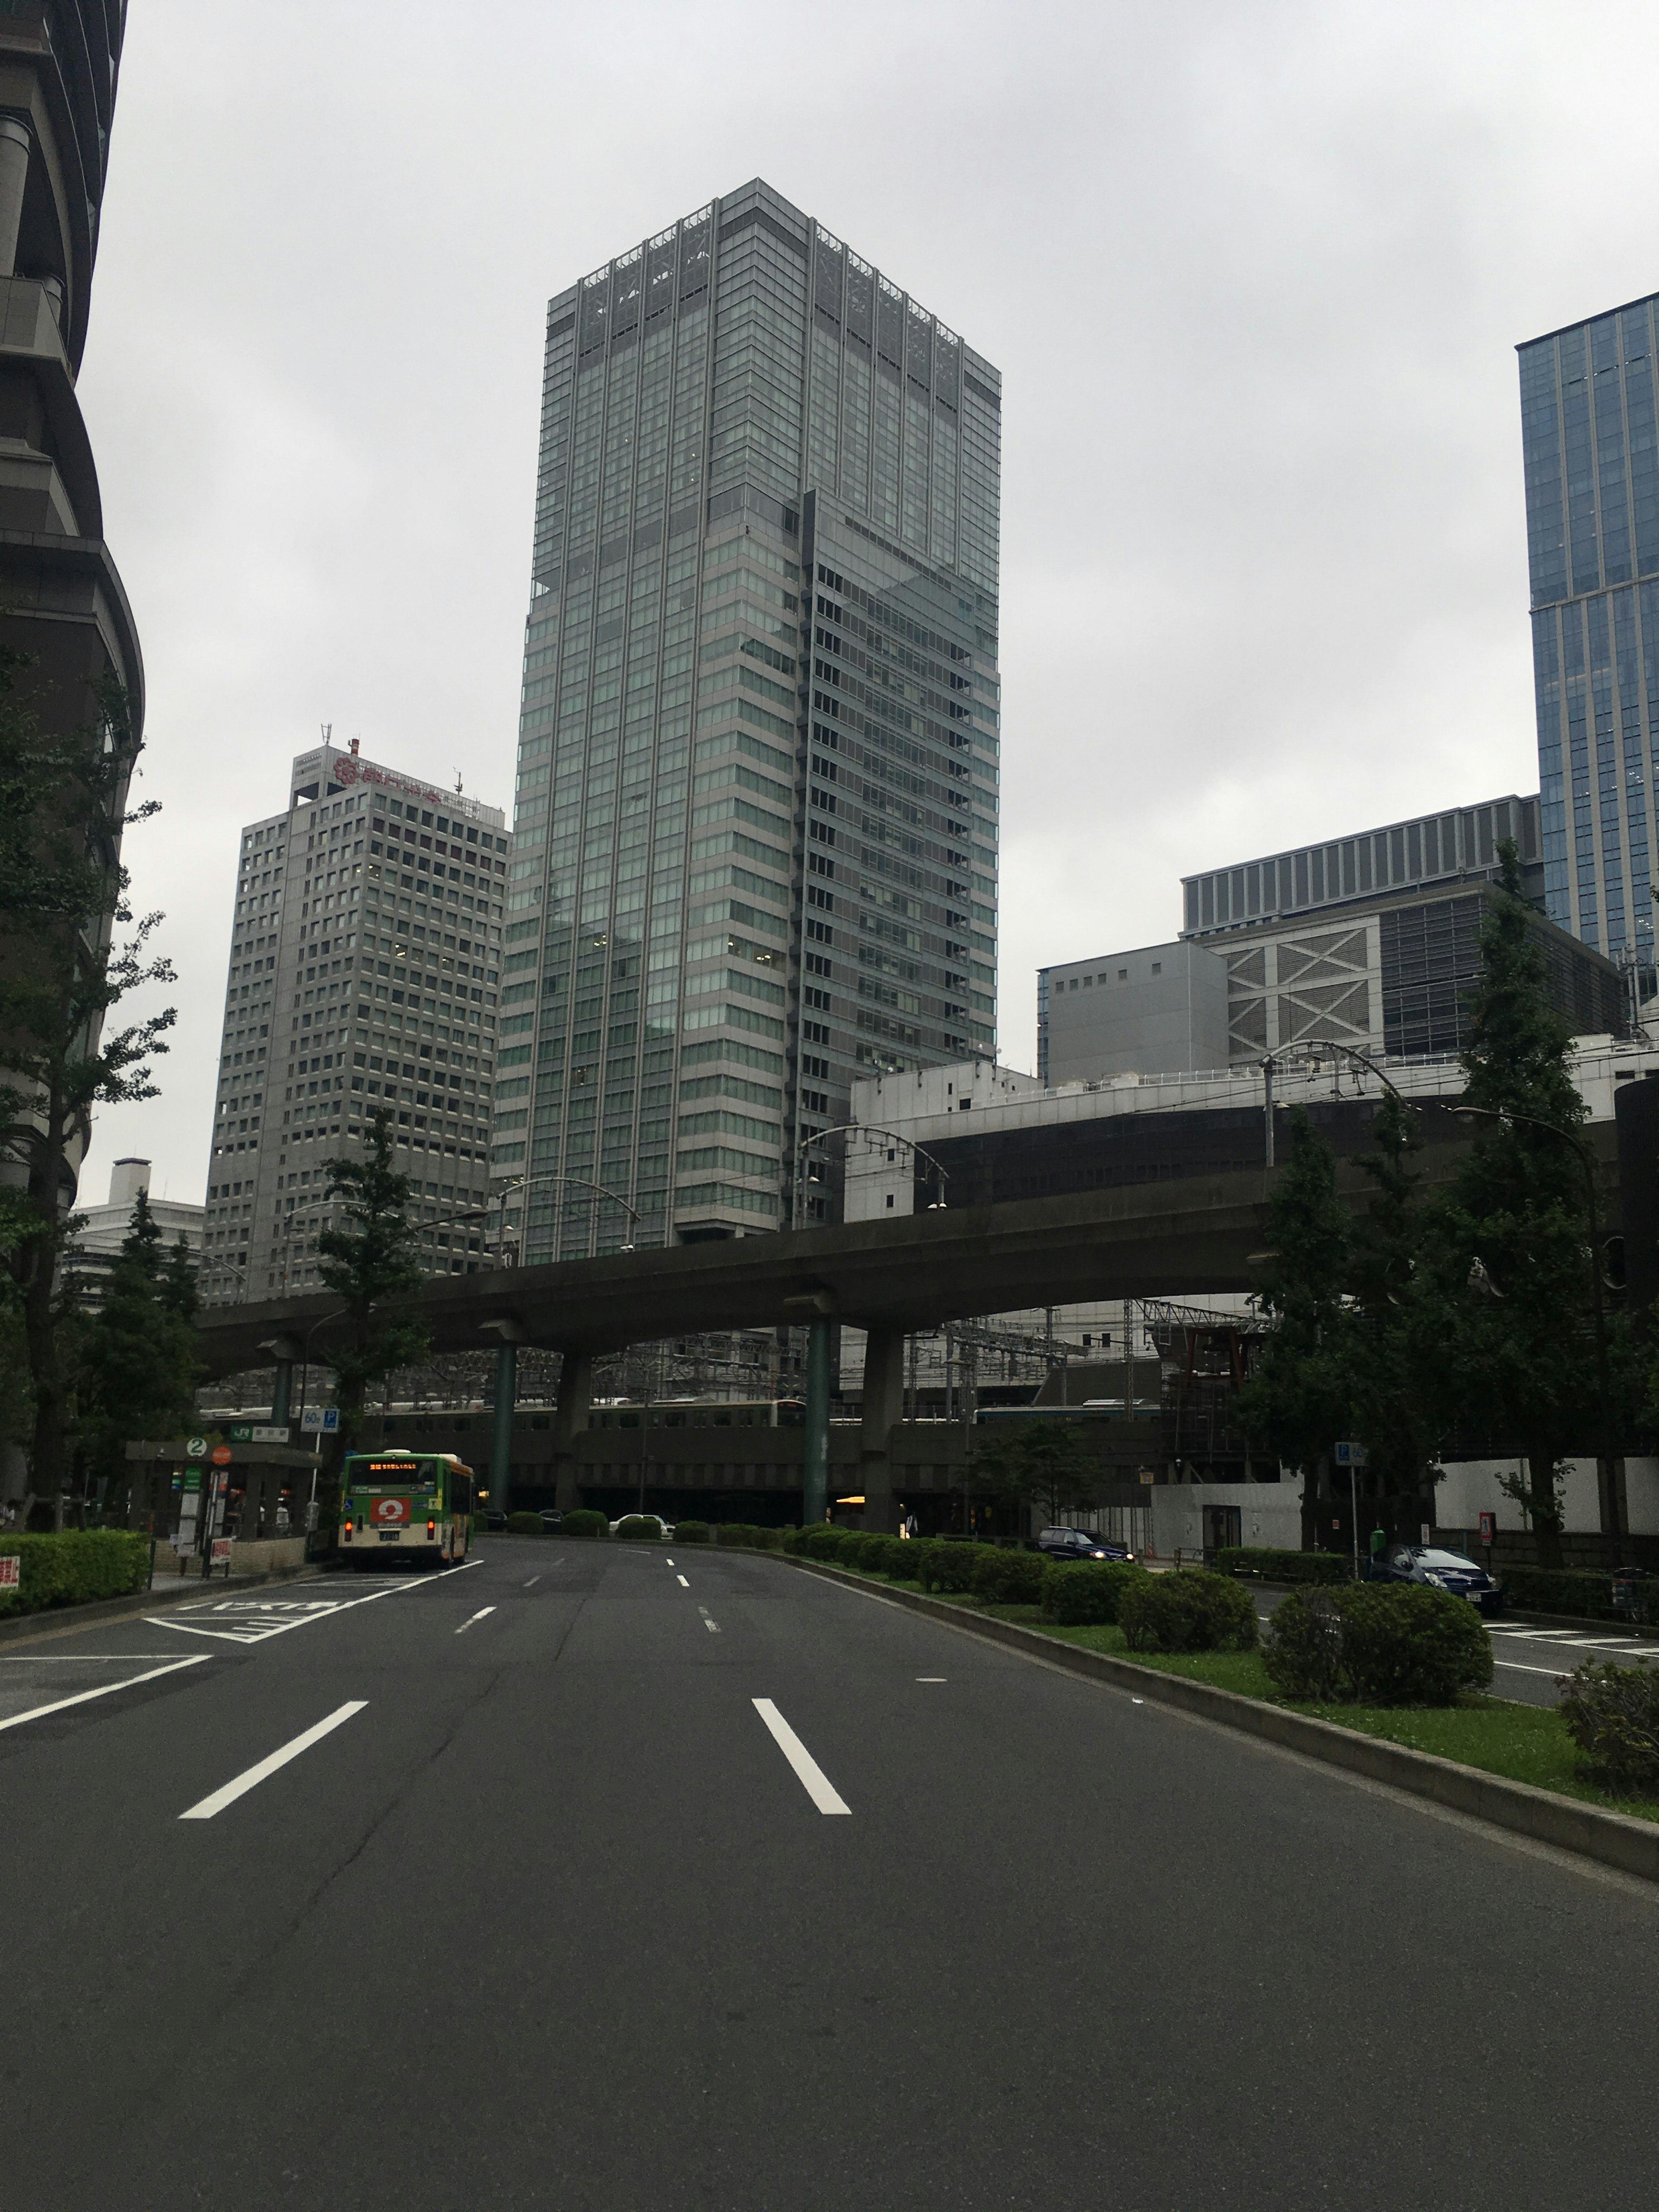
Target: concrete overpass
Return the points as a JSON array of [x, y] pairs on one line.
[[888, 1278]]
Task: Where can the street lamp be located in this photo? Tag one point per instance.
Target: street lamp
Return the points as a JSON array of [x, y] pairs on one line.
[[1604, 1386], [869, 1129], [1314, 1048]]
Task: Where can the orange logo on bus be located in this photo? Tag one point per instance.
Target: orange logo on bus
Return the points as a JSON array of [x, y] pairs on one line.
[[387, 1510]]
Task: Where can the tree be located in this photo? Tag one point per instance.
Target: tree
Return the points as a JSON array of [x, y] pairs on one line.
[[1036, 1461], [372, 1258], [62, 893], [135, 1362], [1517, 1252], [1398, 1328], [1299, 1399]]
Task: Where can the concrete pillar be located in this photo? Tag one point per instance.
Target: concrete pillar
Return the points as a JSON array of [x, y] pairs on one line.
[[883, 1409], [569, 1420], [282, 1393], [14, 144], [500, 1448], [815, 1474]]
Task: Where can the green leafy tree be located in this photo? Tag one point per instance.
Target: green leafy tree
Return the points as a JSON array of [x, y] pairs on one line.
[[134, 1362], [370, 1262], [1397, 1325], [62, 972], [1299, 1400], [1036, 1461], [1514, 1268]]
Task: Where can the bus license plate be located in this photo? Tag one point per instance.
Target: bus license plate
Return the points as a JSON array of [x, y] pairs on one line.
[[390, 1535]]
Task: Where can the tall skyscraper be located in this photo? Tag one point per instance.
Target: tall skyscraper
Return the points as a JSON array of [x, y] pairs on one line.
[[1592, 469], [365, 967], [755, 841]]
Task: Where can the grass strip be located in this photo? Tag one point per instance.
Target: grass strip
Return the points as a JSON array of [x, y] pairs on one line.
[[1522, 1743]]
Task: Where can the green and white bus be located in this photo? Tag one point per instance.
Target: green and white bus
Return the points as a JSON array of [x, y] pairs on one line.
[[405, 1505]]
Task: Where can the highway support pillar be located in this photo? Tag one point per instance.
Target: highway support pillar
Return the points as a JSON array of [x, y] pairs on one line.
[[815, 1475], [570, 1420], [883, 1409], [507, 1395], [285, 1351]]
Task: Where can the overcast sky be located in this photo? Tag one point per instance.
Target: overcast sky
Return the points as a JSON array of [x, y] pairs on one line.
[[1254, 274]]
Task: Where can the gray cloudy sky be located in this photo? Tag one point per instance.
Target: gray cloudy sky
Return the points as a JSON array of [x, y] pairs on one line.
[[1254, 274]]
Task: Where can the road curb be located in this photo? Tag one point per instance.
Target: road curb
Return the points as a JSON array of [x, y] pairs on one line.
[[56, 1619], [1613, 1839]]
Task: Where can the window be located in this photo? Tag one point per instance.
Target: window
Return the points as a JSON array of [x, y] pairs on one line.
[[1122, 974], [1157, 967]]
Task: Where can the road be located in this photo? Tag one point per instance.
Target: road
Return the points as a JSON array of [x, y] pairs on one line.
[[611, 1882], [1529, 1657]]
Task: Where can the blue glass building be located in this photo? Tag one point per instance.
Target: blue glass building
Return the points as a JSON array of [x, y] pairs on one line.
[[1592, 472]]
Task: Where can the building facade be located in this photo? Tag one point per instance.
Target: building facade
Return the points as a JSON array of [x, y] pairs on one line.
[[1433, 849], [755, 846], [1161, 1006], [98, 1243], [365, 973], [1592, 479], [61, 601]]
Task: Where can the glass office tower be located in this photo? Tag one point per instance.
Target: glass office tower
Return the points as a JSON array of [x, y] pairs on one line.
[[756, 837], [1592, 468]]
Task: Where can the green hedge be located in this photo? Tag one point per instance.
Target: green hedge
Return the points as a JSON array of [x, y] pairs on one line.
[[741, 1536], [1195, 1611], [637, 1528], [1009, 1577], [585, 1522], [1271, 1566], [1611, 1714], [690, 1532], [1078, 1596], [75, 1568], [524, 1524], [947, 1564], [1377, 1644]]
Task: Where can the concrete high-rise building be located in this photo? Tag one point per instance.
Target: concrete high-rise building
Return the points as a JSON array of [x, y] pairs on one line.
[[755, 847], [365, 969], [1592, 478], [61, 601]]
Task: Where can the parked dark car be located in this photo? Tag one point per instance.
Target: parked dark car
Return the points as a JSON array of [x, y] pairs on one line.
[[495, 1519], [552, 1520], [1449, 1570], [1079, 1544]]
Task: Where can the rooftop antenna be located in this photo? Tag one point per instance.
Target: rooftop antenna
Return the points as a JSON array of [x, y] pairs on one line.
[[327, 729], [458, 784], [355, 742]]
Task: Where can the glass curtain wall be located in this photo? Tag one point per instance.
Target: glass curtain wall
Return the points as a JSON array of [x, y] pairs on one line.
[[710, 400]]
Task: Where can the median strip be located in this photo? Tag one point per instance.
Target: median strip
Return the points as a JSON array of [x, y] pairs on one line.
[[1615, 1839]]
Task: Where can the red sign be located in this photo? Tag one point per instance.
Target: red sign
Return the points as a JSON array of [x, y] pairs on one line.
[[1488, 1526], [221, 1550], [8, 1571], [221, 1455], [388, 1511]]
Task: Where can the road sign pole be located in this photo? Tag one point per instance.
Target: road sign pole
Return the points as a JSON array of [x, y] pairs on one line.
[[1353, 1513]]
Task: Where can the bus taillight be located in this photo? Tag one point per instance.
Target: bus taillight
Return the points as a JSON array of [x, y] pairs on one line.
[[348, 1528], [431, 1530]]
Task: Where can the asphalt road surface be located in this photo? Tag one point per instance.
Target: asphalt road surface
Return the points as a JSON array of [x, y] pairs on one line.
[[579, 1878]]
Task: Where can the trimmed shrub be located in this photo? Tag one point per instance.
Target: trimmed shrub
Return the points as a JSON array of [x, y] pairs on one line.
[[947, 1566], [639, 1528], [891, 1555], [1007, 1578], [74, 1569], [862, 1549], [690, 1532], [585, 1522], [819, 1541], [1270, 1566], [524, 1524], [1087, 1594], [766, 1540], [733, 1535], [1379, 1643], [1196, 1612], [1611, 1714]]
